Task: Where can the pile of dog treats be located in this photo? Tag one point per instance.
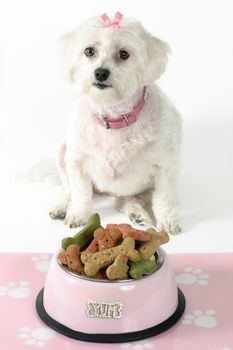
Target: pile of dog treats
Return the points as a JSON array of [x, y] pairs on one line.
[[116, 252]]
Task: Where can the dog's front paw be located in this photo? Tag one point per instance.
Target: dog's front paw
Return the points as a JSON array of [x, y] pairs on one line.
[[140, 217], [137, 214], [59, 211], [75, 218], [167, 220]]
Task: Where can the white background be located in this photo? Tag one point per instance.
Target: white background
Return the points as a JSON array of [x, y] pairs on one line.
[[35, 106]]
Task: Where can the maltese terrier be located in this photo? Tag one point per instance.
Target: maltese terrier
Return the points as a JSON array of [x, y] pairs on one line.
[[124, 136]]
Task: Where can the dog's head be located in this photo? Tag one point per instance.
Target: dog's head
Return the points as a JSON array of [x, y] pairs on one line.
[[111, 63]]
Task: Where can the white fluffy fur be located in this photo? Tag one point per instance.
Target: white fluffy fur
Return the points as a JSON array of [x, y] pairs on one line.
[[132, 163]]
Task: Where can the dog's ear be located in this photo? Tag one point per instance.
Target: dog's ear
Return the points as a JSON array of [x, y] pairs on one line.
[[157, 57], [67, 55]]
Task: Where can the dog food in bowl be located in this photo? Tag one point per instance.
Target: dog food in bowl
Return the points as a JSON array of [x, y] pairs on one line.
[[116, 252]]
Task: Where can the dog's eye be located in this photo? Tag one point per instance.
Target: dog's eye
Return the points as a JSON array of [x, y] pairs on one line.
[[89, 51], [123, 55]]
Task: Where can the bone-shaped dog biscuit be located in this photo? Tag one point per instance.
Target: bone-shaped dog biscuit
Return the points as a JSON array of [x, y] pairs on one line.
[[148, 248], [119, 269], [95, 261], [71, 258]]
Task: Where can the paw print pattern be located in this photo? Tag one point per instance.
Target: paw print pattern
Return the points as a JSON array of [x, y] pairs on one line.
[[191, 276], [17, 290], [42, 262], [37, 337], [201, 319], [138, 345]]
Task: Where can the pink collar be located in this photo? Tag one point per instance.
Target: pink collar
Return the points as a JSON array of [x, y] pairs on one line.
[[123, 120]]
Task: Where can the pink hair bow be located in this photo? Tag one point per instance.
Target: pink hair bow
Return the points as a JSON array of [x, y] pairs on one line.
[[114, 23]]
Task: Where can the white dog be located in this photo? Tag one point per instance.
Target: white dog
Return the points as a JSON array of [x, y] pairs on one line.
[[124, 136]]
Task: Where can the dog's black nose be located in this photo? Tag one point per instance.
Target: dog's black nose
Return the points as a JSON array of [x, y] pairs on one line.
[[101, 74]]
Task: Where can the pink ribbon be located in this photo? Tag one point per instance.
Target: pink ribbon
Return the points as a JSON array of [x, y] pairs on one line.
[[114, 23]]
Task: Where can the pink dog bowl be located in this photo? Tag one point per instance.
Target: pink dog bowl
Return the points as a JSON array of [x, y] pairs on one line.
[[110, 312]]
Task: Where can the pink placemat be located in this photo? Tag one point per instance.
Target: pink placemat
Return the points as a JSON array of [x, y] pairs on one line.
[[207, 324]]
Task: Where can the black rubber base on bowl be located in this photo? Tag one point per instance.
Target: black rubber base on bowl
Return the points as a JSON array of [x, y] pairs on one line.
[[111, 338]]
